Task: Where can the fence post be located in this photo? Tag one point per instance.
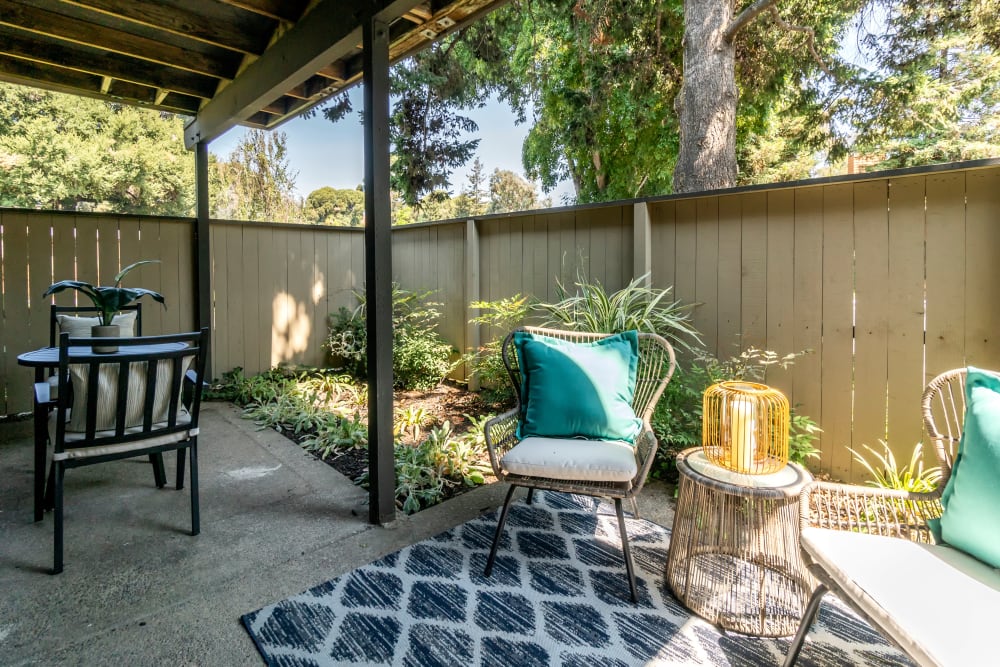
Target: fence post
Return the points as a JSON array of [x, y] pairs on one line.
[[472, 339], [642, 243]]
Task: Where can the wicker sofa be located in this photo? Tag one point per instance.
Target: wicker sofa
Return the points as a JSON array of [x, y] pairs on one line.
[[873, 548]]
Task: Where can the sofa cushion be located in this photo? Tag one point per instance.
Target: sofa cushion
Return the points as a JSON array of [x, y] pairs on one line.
[[938, 603], [558, 458], [971, 499], [578, 389]]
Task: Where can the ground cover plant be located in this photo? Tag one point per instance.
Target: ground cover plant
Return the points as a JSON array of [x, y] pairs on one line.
[[439, 447]]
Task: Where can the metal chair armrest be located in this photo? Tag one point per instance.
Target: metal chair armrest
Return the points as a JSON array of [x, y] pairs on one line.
[[870, 510], [501, 436]]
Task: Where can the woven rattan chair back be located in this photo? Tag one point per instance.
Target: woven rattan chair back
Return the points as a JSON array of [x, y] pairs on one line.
[[656, 365], [943, 409]]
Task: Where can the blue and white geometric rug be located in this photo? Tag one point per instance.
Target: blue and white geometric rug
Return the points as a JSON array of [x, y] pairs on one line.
[[558, 596]]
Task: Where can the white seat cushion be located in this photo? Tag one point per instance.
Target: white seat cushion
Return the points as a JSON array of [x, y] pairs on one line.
[[938, 603], [183, 417], [556, 458]]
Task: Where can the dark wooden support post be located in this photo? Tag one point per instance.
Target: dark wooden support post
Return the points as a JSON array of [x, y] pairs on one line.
[[378, 272], [203, 261]]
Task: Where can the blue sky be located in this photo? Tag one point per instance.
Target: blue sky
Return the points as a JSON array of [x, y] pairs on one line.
[[326, 153]]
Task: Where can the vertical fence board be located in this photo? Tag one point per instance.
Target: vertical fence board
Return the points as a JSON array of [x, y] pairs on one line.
[[86, 250], [129, 249], [268, 277], [982, 269], [753, 263], [905, 355], [871, 280], [664, 241], [807, 373], [838, 328], [686, 253], [175, 239], [152, 275], [706, 316], [946, 243], [16, 314], [39, 251], [730, 284], [780, 282], [222, 328], [235, 295], [250, 261], [107, 252]]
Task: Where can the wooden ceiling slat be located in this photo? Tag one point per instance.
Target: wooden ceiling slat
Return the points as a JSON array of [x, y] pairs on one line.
[[26, 73], [52, 24], [214, 23], [286, 10], [86, 59]]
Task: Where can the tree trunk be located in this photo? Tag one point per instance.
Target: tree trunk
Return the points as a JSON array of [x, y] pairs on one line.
[[706, 104]]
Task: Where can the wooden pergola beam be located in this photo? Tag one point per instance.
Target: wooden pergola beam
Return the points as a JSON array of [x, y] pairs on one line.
[[80, 58], [222, 25], [284, 10], [333, 29], [51, 24]]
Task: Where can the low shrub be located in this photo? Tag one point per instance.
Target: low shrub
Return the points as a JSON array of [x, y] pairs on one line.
[[504, 315], [886, 473], [420, 356]]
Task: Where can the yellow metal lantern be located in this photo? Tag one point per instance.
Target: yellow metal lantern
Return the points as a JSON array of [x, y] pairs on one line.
[[745, 427]]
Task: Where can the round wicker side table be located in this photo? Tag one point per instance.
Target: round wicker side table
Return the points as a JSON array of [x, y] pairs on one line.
[[734, 551]]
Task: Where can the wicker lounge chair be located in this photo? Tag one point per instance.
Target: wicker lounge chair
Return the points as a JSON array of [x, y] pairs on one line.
[[656, 365], [873, 548]]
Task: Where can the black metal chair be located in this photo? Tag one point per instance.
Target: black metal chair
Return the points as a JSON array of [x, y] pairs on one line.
[[112, 407]]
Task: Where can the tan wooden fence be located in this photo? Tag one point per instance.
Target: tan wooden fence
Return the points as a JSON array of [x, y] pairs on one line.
[[887, 280]]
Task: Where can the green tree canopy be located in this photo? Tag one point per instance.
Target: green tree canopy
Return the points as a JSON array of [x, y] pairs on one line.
[[64, 152], [256, 183], [332, 206]]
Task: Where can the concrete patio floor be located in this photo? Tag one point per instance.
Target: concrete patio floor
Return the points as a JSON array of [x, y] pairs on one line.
[[139, 590]]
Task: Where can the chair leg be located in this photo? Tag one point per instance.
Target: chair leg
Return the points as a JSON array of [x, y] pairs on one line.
[[41, 440], [627, 551], [635, 508], [181, 460], [807, 620], [57, 540], [531, 494], [195, 514], [158, 473], [496, 536]]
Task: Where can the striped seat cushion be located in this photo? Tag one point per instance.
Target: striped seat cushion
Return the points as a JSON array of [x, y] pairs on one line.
[[107, 394]]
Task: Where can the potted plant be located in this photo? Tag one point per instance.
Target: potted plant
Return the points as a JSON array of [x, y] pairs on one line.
[[108, 300]]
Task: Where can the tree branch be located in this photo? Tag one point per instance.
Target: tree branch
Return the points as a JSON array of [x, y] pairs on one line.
[[810, 38], [751, 12]]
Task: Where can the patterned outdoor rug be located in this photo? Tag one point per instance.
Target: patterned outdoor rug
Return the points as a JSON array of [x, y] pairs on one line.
[[558, 596]]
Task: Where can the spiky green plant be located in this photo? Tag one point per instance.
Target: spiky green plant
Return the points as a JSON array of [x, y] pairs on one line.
[[886, 474], [635, 306]]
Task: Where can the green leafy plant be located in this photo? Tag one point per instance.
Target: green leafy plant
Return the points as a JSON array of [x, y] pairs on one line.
[[503, 315], [335, 434], [264, 387], [802, 432], [885, 472], [410, 422], [426, 472], [635, 306], [110, 300], [420, 356]]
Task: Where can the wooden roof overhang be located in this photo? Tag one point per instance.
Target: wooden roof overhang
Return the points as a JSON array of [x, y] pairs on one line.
[[224, 62]]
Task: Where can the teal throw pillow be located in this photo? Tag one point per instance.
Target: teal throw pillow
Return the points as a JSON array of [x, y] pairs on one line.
[[578, 390], [971, 499]]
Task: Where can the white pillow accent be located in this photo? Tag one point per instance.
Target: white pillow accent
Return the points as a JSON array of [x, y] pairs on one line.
[[79, 327], [889, 578], [557, 458], [107, 393]]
